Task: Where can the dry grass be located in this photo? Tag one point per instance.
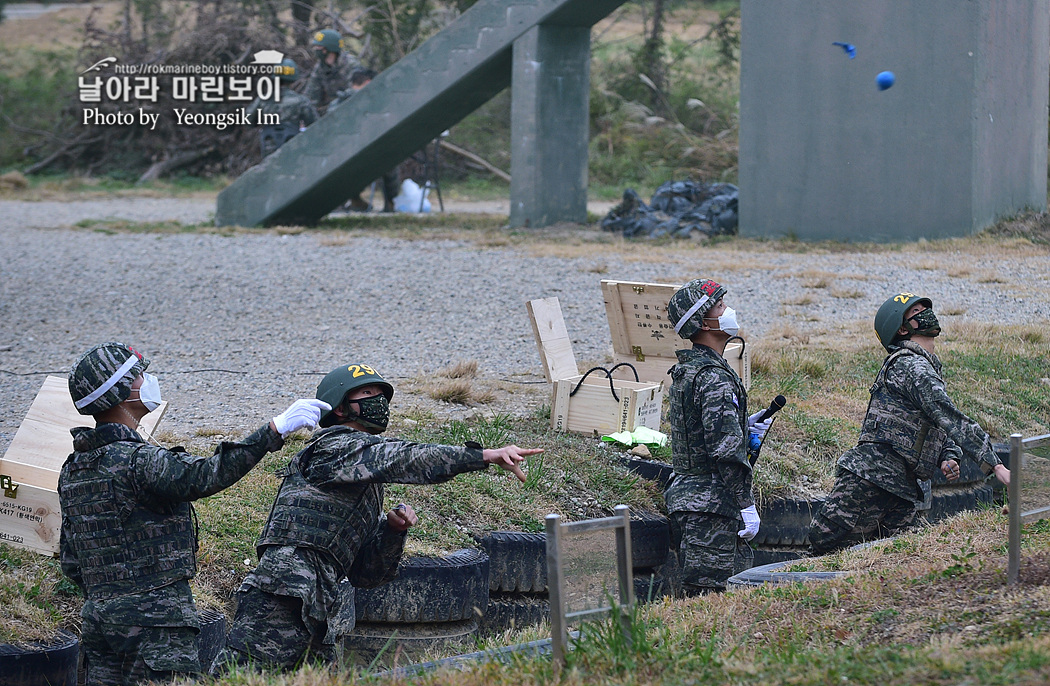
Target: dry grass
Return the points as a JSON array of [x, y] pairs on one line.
[[847, 294], [467, 369], [457, 391]]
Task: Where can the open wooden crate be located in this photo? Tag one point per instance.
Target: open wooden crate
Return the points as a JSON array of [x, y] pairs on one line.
[[598, 404], [30, 516], [643, 336]]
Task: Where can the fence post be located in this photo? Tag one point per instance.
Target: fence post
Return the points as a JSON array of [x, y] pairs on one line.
[[624, 569], [559, 636], [1013, 566]]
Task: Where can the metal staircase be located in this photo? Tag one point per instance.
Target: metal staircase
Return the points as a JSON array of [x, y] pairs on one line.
[[407, 106]]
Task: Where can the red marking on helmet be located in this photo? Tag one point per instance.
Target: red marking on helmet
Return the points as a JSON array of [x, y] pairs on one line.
[[134, 352], [709, 287]]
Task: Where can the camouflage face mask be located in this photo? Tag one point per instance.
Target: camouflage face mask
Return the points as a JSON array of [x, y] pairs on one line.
[[925, 324], [374, 413]]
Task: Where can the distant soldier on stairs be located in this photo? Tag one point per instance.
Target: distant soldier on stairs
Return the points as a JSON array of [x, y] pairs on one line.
[[294, 111], [332, 72]]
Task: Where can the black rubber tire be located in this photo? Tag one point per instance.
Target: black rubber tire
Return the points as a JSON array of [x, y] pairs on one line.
[[212, 638], [949, 502], [785, 522], [770, 574], [649, 469], [651, 587], [405, 642], [514, 611], [44, 663], [517, 561], [430, 589], [650, 539]]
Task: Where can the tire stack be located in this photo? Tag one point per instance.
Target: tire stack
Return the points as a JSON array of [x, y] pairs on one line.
[[43, 663], [784, 533], [517, 580], [433, 602], [518, 593]]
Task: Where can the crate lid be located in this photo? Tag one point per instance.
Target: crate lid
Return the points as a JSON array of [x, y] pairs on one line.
[[643, 335], [637, 314], [552, 339]]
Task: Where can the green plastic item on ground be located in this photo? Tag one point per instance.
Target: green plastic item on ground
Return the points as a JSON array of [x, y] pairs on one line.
[[641, 435]]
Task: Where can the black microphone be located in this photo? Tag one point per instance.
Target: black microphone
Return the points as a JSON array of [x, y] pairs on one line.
[[774, 407], [754, 442]]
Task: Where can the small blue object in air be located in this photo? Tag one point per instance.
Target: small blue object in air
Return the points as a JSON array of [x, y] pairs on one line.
[[885, 79], [850, 49]]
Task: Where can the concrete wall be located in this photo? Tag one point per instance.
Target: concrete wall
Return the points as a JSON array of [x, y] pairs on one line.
[[825, 154]]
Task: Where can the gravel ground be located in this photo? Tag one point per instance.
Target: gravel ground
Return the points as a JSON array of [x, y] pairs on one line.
[[239, 326]]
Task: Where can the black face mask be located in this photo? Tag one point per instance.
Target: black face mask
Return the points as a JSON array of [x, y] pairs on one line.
[[374, 413], [926, 324]]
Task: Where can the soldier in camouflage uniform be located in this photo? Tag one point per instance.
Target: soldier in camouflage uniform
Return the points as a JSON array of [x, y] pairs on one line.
[[911, 428], [711, 492], [294, 111], [332, 72], [128, 537], [326, 522]]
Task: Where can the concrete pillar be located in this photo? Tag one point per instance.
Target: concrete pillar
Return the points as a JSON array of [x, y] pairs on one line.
[[957, 142], [550, 82]]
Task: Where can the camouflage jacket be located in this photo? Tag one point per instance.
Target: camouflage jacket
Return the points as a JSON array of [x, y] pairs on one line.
[[326, 80], [708, 416], [914, 391], [292, 109], [336, 481], [127, 525]]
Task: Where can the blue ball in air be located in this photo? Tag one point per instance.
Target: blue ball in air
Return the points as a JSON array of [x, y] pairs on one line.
[[885, 79]]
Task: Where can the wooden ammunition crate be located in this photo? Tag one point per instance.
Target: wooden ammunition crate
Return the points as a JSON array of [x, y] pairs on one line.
[[643, 336], [600, 405], [30, 516]]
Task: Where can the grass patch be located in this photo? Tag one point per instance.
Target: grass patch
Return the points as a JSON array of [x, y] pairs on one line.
[[36, 597]]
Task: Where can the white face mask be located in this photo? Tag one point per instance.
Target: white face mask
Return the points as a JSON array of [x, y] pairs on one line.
[[727, 322], [149, 392]]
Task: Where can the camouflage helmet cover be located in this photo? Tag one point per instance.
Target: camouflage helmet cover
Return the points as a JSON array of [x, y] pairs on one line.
[[690, 303], [890, 317], [289, 70], [101, 378], [329, 39], [341, 380]]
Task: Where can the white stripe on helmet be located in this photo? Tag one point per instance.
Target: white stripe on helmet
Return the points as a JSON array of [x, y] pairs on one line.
[[109, 383]]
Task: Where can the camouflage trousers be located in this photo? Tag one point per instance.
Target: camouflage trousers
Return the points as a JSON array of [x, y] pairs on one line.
[[119, 654], [709, 550], [857, 510], [268, 631]]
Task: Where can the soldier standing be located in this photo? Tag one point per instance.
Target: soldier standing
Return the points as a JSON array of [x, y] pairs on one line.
[[711, 492], [332, 72], [326, 522], [129, 536], [911, 428], [294, 111]]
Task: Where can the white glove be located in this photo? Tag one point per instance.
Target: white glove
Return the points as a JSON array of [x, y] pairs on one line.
[[751, 523], [759, 428], [303, 413]]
